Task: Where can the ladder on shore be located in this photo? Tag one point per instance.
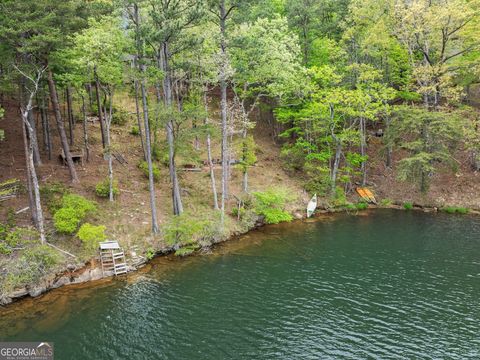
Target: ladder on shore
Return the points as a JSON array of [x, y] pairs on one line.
[[113, 258]]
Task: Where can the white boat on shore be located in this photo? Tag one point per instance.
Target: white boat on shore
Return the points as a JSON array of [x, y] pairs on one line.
[[312, 205]]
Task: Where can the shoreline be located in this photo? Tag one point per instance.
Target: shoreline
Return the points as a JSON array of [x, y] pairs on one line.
[[91, 272]]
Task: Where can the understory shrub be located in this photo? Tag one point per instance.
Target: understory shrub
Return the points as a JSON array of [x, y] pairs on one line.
[[53, 194], [386, 202], [185, 229], [144, 167], [408, 206], [455, 210], [66, 220], [120, 116], [187, 250], [72, 213], [271, 205], [34, 263], [102, 189], [91, 235], [13, 239], [134, 130], [361, 205]]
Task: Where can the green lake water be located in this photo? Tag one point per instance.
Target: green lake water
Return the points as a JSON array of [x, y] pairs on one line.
[[383, 284]]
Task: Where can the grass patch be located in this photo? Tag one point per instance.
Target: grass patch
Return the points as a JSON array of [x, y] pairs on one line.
[[455, 210], [408, 206]]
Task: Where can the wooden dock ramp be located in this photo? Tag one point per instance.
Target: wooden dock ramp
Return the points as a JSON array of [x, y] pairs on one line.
[[112, 257]]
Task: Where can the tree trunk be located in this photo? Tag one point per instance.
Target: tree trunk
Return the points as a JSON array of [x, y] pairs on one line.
[[149, 155], [90, 96], [167, 89], [139, 121], [223, 107], [47, 133], [148, 147], [61, 129], [35, 204], [85, 132], [336, 165], [108, 122], [389, 145], [363, 149], [209, 156], [31, 201], [99, 105], [70, 114], [33, 139], [36, 191]]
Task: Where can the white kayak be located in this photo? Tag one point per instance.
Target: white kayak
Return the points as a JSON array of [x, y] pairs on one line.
[[312, 205]]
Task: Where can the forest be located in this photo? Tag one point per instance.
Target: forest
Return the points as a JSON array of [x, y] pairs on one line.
[[201, 117]]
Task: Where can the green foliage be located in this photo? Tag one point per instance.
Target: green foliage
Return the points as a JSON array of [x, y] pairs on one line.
[[91, 235], [143, 165], [134, 130], [430, 137], [120, 116], [386, 202], [271, 205], [77, 202], [187, 250], [361, 205], [185, 229], [52, 194], [150, 254], [33, 263], [248, 158], [15, 239], [74, 209], [408, 206], [66, 220], [102, 189], [455, 210]]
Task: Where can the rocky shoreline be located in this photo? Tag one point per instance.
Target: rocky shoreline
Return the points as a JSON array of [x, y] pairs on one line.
[[91, 271]]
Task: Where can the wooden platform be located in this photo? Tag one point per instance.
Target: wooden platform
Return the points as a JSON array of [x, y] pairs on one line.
[[77, 156]]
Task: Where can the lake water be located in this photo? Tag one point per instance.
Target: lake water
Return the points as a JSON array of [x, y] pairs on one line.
[[383, 284]]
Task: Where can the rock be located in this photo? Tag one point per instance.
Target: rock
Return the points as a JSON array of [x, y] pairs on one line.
[[61, 282], [297, 215], [5, 300], [83, 277], [38, 290], [96, 274], [71, 267], [19, 293]]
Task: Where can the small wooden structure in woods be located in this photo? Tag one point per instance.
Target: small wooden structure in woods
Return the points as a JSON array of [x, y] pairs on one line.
[[77, 156], [113, 258]]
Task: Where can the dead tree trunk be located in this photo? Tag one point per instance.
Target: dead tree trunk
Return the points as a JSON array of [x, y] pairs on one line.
[[61, 128], [34, 139], [31, 171], [31, 201]]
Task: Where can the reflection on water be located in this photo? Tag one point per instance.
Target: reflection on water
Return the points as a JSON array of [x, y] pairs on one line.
[[386, 284]]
